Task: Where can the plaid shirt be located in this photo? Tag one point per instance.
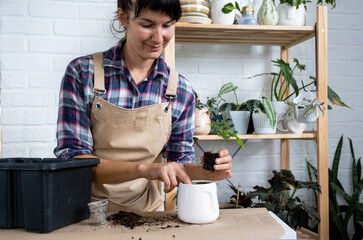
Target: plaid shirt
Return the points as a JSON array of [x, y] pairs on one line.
[[76, 96]]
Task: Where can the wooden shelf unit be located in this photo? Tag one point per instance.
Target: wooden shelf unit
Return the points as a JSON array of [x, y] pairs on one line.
[[285, 37], [304, 136]]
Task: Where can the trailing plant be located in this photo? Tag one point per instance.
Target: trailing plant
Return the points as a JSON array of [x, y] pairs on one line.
[[277, 199], [309, 106], [222, 129], [341, 214]]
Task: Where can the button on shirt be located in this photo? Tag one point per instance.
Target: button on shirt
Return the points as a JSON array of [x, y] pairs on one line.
[[76, 96]]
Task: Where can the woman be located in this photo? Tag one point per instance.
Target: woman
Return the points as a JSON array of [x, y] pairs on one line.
[[125, 106]]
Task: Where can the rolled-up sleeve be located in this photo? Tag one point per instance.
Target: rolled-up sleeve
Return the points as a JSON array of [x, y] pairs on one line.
[[180, 145], [73, 125]]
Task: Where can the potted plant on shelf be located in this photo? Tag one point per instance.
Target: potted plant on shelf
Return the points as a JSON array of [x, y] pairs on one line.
[[264, 116], [234, 113], [292, 12]]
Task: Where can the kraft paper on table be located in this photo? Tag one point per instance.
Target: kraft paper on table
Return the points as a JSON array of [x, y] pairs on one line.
[[241, 224]]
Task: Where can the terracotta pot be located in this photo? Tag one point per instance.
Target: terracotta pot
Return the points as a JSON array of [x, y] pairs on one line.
[[202, 121]]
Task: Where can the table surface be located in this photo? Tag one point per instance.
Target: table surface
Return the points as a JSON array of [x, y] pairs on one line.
[[248, 223]]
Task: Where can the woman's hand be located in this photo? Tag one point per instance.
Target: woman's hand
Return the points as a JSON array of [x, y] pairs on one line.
[[171, 174], [223, 166]]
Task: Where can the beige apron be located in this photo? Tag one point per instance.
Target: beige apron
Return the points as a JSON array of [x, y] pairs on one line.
[[133, 135]]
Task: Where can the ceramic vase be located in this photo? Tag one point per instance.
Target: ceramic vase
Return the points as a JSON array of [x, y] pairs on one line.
[[202, 121], [267, 14], [290, 16], [218, 17]]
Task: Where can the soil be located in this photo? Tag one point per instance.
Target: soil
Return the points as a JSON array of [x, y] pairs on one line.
[[209, 161], [132, 220]]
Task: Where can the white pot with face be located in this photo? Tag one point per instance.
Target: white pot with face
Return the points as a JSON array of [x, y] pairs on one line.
[[218, 17], [198, 202], [290, 16]]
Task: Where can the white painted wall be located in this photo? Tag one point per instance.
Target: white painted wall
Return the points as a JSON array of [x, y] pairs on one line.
[[39, 37]]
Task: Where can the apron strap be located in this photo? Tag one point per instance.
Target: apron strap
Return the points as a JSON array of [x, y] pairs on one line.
[[99, 75], [172, 84], [99, 78]]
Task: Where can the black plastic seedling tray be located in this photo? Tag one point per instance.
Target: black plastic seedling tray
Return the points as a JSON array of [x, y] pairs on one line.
[[42, 195]]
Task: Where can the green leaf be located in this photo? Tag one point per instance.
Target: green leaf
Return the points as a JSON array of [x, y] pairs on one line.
[[226, 88], [227, 8], [269, 111], [338, 222], [335, 166], [237, 6], [335, 99]]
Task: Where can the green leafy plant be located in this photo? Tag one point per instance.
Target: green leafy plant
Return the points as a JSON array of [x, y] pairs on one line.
[[265, 106], [222, 129], [214, 103], [284, 79], [277, 199], [309, 106], [341, 214], [240, 198], [297, 3], [229, 7]]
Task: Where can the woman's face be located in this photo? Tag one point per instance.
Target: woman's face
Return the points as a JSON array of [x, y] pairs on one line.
[[149, 33]]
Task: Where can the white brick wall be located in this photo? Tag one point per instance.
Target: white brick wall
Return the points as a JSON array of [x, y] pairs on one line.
[[38, 38]]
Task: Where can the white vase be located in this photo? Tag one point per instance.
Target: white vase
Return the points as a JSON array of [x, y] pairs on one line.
[[290, 16], [239, 119], [218, 17], [267, 14]]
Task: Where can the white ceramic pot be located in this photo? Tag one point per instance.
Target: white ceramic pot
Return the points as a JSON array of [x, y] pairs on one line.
[[262, 124], [267, 14], [289, 15], [281, 109], [239, 119], [218, 17], [202, 121], [198, 203], [292, 126]]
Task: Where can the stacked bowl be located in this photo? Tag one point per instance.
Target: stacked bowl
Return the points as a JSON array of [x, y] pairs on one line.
[[195, 11]]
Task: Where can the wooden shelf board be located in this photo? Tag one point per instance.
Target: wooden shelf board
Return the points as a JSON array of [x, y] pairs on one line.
[[304, 136], [243, 34]]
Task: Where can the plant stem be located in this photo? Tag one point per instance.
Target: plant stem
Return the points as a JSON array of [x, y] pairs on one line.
[[293, 193], [199, 146], [299, 90]]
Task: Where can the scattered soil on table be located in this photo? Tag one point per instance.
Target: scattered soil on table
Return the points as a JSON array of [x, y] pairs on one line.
[[209, 161], [132, 220]]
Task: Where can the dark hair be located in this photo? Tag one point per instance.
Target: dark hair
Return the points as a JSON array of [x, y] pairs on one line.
[[169, 7]]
